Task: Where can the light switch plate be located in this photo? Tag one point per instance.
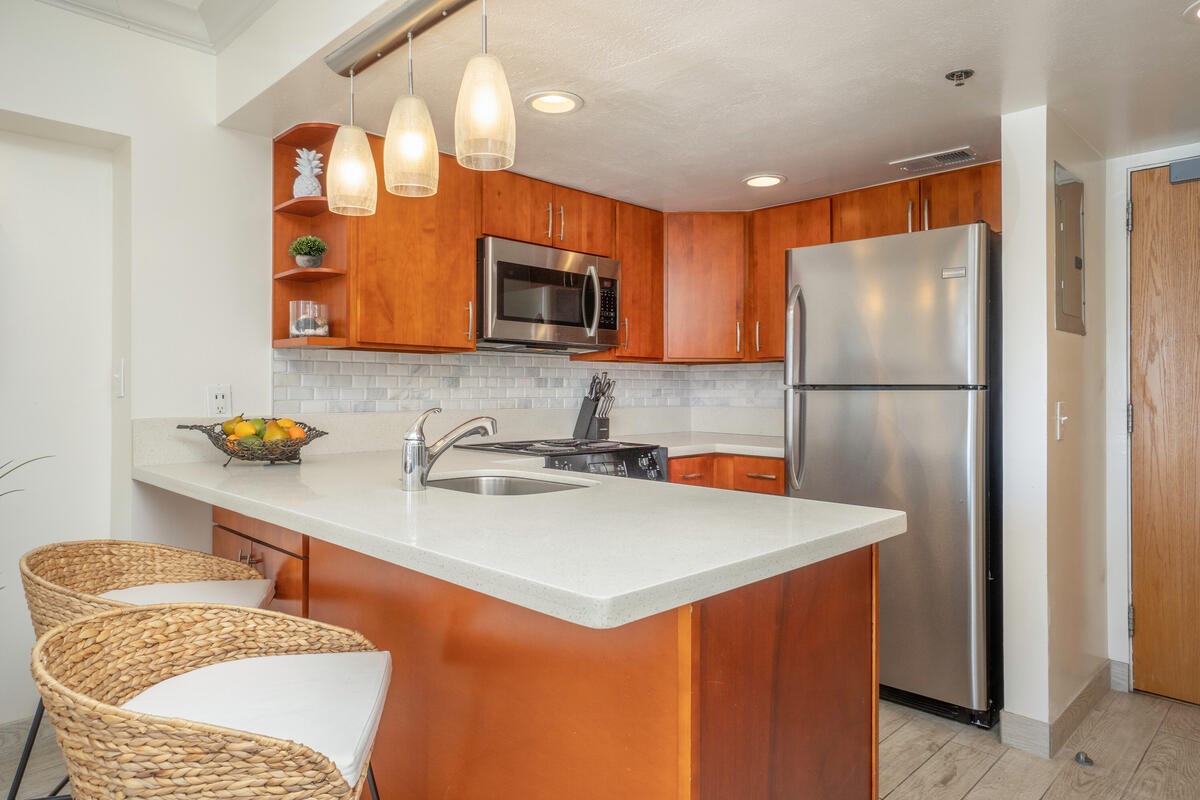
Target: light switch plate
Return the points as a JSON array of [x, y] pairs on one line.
[[220, 400]]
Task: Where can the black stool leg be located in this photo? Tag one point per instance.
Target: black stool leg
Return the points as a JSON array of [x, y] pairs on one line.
[[24, 761], [371, 783]]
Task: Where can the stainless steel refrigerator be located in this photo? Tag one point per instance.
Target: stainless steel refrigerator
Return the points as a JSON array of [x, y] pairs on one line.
[[893, 401]]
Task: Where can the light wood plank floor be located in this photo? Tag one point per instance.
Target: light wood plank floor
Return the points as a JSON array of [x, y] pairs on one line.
[[1144, 748]]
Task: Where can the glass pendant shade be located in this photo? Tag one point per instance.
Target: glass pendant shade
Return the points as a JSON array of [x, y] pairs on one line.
[[410, 153], [350, 181], [485, 124]]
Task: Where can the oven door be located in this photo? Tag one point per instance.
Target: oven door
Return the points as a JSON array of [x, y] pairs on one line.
[[540, 295]]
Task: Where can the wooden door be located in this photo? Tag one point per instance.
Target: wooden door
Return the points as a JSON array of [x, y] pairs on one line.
[[1165, 445], [758, 474], [517, 207], [583, 222], [290, 572], [414, 266], [694, 470], [961, 196], [773, 231], [705, 281], [877, 211]]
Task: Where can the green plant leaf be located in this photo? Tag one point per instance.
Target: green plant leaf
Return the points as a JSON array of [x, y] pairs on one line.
[[23, 463]]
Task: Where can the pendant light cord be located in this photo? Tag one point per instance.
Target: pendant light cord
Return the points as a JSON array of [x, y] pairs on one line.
[[410, 85], [352, 97], [485, 26]]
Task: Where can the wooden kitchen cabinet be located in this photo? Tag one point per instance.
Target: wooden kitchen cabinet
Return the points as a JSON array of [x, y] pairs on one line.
[[726, 471], [639, 248], [877, 211], [414, 273], [278, 553], [529, 210], [961, 196], [705, 277], [772, 232]]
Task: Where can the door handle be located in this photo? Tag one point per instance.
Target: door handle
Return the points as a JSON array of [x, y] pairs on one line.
[[550, 220], [691, 476], [562, 223], [926, 213], [627, 333], [590, 330], [910, 205], [760, 476], [739, 337], [793, 438], [757, 346], [793, 348], [470, 319]]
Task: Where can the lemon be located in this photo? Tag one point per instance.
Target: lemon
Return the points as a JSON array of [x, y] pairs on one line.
[[245, 429], [286, 423]]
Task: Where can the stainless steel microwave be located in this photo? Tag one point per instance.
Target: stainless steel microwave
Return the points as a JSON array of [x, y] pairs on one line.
[[540, 299]]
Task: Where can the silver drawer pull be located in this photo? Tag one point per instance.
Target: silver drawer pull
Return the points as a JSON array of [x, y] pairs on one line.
[[760, 476], [692, 475]]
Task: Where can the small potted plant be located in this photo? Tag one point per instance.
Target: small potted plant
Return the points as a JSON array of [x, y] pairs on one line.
[[308, 251]]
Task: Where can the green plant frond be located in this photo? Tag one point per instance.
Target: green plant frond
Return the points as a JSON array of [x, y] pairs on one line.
[[18, 466]]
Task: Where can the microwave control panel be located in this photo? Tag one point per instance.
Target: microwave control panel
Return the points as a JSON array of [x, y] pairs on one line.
[[608, 304]]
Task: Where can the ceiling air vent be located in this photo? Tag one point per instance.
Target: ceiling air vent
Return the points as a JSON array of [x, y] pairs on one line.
[[939, 160]]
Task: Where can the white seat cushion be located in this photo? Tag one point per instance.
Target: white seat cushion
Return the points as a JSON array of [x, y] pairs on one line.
[[330, 702], [248, 594]]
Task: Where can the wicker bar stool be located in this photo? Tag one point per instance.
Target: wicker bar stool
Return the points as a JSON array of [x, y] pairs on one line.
[[68, 580], [143, 705]]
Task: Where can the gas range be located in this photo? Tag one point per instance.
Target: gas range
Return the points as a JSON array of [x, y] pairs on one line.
[[595, 456]]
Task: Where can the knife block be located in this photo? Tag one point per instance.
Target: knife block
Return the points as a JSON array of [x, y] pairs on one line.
[[585, 423]]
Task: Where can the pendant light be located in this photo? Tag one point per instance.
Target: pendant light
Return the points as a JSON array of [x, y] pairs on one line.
[[350, 180], [410, 152], [485, 124]]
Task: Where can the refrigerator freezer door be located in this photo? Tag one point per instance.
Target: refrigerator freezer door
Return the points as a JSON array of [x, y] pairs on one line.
[[922, 452], [890, 311]]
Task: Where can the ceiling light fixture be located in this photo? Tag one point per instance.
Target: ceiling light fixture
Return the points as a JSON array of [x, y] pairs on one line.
[[351, 182], [763, 180], [1192, 13], [555, 101], [410, 151], [959, 77], [485, 124]]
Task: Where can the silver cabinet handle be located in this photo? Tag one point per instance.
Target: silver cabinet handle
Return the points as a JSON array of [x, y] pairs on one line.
[[470, 320], [627, 333], [926, 213], [757, 325], [910, 205], [761, 476], [691, 475], [562, 223], [248, 558], [739, 337], [550, 221]]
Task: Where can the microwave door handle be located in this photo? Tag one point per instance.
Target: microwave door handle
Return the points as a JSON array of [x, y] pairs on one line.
[[590, 329]]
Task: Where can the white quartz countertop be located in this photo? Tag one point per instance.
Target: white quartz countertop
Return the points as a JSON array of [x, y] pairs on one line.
[[611, 552]]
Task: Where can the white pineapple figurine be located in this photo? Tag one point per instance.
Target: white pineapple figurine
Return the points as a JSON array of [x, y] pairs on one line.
[[308, 164]]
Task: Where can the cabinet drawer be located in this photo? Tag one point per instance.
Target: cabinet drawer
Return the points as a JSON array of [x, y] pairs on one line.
[[755, 474], [280, 538], [694, 470], [289, 572]]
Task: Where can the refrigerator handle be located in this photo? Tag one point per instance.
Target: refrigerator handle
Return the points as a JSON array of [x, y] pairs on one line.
[[793, 439], [793, 353], [910, 206]]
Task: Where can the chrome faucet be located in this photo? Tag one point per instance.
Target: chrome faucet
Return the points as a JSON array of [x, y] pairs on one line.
[[418, 458]]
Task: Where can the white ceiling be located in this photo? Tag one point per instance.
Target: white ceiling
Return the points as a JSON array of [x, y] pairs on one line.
[[205, 25], [686, 97]]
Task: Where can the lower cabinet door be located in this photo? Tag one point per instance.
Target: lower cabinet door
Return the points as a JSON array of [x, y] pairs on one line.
[[694, 470], [289, 572], [755, 474]]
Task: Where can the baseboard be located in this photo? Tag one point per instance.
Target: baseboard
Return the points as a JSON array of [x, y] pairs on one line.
[[1119, 674], [1045, 738]]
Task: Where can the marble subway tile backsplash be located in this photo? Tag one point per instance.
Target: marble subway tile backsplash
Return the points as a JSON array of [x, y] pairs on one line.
[[332, 381]]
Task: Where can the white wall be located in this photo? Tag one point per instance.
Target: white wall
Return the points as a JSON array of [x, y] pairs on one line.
[[1117, 390], [56, 224]]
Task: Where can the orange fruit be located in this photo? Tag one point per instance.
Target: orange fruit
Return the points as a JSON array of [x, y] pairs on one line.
[[296, 432], [233, 437]]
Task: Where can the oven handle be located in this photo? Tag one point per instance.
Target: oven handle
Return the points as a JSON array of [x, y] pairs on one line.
[[590, 330]]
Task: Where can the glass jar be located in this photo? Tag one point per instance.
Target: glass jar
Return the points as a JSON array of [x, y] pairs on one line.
[[308, 318]]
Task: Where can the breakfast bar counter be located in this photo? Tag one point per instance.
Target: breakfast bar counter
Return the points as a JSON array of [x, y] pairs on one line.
[[621, 638]]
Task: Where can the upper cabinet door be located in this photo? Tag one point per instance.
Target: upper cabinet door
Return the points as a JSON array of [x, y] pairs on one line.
[[640, 251], [705, 280], [520, 208], [774, 231], [414, 271], [583, 222], [878, 211], [961, 197]]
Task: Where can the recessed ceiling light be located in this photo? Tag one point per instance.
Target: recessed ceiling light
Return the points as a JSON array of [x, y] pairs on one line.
[[1192, 13], [554, 102], [761, 180]]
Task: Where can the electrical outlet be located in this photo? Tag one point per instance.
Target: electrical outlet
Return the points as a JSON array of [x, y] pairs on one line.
[[220, 400]]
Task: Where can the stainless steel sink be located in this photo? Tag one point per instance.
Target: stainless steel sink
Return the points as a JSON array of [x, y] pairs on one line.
[[500, 485]]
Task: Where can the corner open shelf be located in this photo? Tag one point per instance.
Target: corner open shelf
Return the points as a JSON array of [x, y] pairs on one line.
[[310, 341], [304, 206], [309, 274]]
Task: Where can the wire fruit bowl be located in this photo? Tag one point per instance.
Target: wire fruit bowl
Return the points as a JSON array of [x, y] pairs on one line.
[[276, 451]]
